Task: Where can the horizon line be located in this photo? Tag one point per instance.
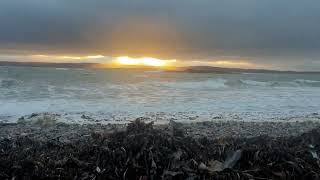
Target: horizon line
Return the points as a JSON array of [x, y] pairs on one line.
[[105, 66]]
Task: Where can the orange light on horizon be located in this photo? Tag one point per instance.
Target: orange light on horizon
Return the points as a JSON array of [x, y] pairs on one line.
[[67, 57], [131, 62], [144, 61], [223, 63]]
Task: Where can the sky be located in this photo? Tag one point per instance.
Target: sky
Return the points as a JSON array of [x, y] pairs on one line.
[[273, 34]]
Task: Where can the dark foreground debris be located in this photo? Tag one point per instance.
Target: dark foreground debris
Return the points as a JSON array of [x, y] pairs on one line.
[[142, 152]]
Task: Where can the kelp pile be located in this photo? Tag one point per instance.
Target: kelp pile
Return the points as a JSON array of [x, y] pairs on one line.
[[142, 152]]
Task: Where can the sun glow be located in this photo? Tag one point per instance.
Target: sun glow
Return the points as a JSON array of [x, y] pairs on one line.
[[67, 57], [144, 61], [237, 63]]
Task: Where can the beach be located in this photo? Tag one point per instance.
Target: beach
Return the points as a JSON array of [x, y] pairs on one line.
[[159, 90], [45, 148], [74, 123], [214, 129]]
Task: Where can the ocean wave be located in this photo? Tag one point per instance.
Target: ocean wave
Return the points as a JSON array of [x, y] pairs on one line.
[[221, 83], [8, 83], [255, 83], [294, 83], [209, 84], [237, 83], [62, 69], [285, 84], [305, 82], [75, 88]]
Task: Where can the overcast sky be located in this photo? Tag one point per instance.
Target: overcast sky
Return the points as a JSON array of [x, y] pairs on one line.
[[282, 34]]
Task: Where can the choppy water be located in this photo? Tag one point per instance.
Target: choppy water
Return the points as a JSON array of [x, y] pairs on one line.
[[123, 94]]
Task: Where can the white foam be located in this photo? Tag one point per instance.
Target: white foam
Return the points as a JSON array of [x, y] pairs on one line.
[[306, 81], [62, 69], [117, 97], [255, 83], [208, 84]]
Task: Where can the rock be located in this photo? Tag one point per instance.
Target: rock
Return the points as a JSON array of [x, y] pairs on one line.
[[193, 118], [86, 117], [21, 120], [217, 117], [33, 115]]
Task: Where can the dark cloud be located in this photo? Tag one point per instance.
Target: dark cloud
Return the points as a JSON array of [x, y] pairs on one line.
[[267, 31]]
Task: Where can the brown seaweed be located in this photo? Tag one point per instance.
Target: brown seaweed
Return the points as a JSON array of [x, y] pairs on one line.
[[143, 152]]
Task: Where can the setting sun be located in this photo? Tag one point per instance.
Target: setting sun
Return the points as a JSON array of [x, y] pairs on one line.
[[144, 61]]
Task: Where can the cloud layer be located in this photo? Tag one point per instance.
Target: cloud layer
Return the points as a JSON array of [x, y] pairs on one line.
[[271, 32]]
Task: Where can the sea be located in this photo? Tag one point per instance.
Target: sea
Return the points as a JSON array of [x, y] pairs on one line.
[[121, 95]]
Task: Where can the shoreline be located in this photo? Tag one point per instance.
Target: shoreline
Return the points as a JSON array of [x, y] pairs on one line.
[[158, 118], [213, 129]]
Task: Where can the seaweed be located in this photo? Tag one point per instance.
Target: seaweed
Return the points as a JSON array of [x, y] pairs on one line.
[[144, 152]]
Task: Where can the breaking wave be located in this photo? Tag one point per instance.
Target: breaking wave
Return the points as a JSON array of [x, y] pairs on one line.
[[225, 83], [304, 82], [123, 95], [62, 69], [295, 83], [209, 84]]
